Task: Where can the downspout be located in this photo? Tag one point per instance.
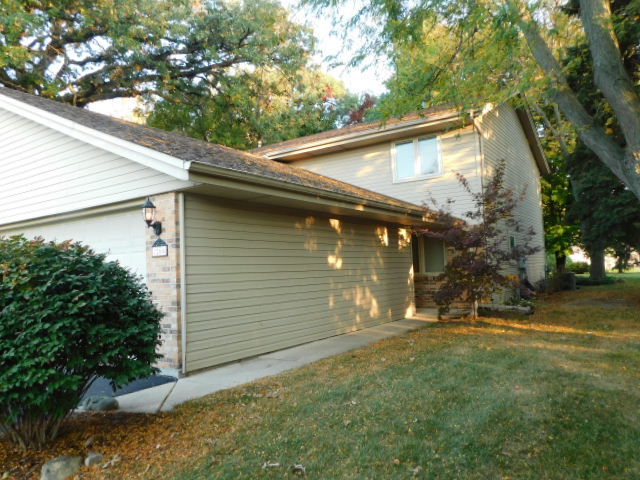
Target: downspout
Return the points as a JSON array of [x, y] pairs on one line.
[[183, 283]]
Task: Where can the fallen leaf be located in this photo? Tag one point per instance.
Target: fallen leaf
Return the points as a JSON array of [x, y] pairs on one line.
[[298, 469]]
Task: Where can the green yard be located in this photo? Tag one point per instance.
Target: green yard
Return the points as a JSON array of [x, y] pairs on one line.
[[555, 396]]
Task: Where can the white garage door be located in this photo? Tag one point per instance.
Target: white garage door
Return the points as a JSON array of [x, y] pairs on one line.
[[121, 235]]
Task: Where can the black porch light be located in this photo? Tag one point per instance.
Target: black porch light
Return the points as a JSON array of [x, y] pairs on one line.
[[149, 213]]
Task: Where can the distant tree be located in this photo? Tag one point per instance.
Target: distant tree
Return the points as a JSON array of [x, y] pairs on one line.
[[481, 244], [609, 214], [358, 113], [562, 231], [81, 51], [255, 107]]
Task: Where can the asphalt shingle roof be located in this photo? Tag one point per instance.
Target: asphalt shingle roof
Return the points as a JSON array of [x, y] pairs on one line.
[[193, 150], [356, 130]]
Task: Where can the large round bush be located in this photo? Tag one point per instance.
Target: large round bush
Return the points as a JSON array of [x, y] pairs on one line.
[[66, 316]]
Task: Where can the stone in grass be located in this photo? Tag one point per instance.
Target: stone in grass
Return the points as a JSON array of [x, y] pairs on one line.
[[92, 459], [60, 468], [99, 403]]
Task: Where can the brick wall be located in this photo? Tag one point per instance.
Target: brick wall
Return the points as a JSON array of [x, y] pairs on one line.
[[163, 278], [426, 286]]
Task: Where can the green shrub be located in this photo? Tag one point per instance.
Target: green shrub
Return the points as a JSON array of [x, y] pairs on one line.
[[588, 282], [578, 267], [66, 316]]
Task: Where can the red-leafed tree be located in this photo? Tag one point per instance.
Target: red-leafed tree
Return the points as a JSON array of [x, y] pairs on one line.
[[480, 240]]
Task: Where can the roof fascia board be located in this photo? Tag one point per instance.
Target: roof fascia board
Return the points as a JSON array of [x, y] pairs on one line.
[[371, 134], [524, 115], [200, 173], [145, 156]]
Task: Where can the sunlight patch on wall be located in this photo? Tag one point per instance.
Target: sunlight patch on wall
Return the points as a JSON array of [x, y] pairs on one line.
[[335, 224], [383, 235], [404, 238], [410, 311], [365, 171], [363, 298], [334, 261], [310, 243]]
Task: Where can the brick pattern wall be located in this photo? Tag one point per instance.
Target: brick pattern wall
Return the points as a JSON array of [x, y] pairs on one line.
[[163, 278], [425, 287]]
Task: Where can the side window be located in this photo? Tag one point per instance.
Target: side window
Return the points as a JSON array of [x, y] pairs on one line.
[[429, 255], [416, 159], [433, 249]]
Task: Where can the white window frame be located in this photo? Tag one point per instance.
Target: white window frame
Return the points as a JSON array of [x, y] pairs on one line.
[[416, 159], [422, 260]]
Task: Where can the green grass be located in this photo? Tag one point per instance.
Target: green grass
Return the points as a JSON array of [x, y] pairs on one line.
[[551, 396]]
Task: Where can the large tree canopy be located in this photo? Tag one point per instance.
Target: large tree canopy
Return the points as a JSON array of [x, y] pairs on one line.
[[256, 106], [80, 51], [475, 51]]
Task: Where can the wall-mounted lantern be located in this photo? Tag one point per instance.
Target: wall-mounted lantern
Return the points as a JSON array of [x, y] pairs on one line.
[[149, 212]]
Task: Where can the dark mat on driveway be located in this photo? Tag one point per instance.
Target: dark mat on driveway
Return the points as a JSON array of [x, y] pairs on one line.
[[101, 385]]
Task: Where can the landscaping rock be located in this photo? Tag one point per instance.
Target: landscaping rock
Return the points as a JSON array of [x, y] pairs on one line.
[[60, 468], [93, 459], [497, 308], [99, 403]]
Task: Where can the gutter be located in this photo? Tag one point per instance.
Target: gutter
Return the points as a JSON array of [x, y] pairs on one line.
[[357, 202]]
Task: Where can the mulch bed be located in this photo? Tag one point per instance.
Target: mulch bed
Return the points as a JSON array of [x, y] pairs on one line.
[[136, 442]]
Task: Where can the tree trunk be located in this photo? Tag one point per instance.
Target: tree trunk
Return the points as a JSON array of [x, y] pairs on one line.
[[597, 270], [561, 262], [623, 163]]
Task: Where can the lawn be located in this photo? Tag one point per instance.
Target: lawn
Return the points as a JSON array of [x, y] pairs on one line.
[[550, 396]]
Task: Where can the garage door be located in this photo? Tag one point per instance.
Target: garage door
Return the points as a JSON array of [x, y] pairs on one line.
[[261, 281], [122, 236]]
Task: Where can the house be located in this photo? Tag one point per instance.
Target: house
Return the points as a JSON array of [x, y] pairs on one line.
[[252, 255], [416, 159]]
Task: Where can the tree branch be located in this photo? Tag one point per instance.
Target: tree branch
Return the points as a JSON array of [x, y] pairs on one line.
[[609, 73], [593, 135]]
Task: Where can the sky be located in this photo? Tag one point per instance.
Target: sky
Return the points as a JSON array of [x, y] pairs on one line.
[[330, 43]]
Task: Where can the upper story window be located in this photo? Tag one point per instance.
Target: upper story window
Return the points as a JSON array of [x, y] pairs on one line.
[[416, 159]]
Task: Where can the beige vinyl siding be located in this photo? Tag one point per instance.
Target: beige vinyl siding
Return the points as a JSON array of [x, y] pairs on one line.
[[45, 172], [503, 140], [261, 281], [371, 167]]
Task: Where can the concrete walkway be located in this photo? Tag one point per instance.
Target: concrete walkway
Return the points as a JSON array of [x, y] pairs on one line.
[[166, 397]]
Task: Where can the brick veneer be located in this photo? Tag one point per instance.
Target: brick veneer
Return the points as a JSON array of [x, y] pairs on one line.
[[426, 286], [163, 278]]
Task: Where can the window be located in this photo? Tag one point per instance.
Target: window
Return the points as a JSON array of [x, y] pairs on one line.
[[428, 255], [415, 159]]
